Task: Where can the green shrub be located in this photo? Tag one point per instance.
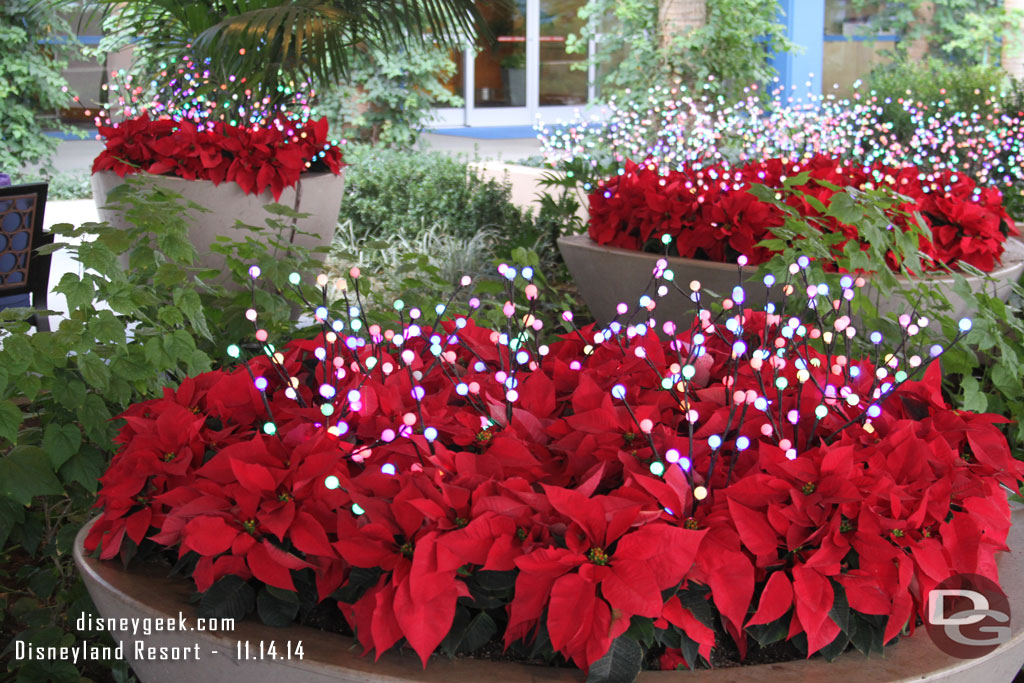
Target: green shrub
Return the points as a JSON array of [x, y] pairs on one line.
[[36, 43], [388, 98], [390, 192], [62, 186], [158, 322], [414, 223], [727, 54], [980, 373], [965, 32], [965, 89]]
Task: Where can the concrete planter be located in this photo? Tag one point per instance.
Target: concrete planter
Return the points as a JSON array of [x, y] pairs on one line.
[[607, 275], [318, 194], [1005, 276], [147, 592]]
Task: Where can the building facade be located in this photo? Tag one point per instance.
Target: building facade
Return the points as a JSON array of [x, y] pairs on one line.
[[527, 72]]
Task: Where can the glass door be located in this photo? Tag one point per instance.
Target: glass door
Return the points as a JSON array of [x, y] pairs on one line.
[[498, 71], [526, 71]]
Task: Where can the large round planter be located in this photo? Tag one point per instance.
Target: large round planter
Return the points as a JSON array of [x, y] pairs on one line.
[[147, 592], [316, 194], [607, 276], [604, 275]]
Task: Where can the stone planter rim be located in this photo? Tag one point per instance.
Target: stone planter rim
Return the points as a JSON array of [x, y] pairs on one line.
[[336, 656], [307, 175], [1015, 248]]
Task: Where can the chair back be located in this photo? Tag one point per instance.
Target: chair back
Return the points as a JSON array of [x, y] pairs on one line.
[[22, 270]]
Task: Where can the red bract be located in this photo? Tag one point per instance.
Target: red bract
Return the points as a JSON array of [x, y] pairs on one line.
[[710, 214], [628, 478], [261, 159]]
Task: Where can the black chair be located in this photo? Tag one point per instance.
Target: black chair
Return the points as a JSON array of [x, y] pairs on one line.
[[24, 273]]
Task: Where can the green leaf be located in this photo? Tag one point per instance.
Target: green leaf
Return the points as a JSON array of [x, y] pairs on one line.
[[198, 363], [766, 634], [93, 417], [277, 607], [94, 370], [85, 468], [1006, 380], [29, 385], [843, 207], [831, 651], [11, 515], [61, 442], [170, 316], [621, 664], [97, 256], [480, 630], [229, 598], [155, 354], [18, 354], [973, 400], [840, 612], [694, 599], [867, 632], [26, 472], [179, 345], [79, 291], [52, 671], [43, 582], [134, 368], [169, 275], [66, 538], [10, 421], [105, 327], [641, 629], [189, 303]]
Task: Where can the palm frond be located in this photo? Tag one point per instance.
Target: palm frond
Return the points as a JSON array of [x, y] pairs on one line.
[[271, 43]]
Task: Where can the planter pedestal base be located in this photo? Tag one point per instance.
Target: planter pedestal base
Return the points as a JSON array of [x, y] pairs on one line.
[[316, 194]]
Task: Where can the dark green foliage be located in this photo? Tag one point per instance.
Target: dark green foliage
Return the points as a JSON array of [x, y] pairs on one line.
[[62, 186], [271, 45], [59, 390], [964, 32], [621, 664], [390, 192], [36, 45], [982, 372], [229, 598], [633, 52], [387, 97], [963, 88]]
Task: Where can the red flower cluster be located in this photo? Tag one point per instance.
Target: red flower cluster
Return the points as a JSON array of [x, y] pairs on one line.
[[709, 211], [605, 474], [257, 159]]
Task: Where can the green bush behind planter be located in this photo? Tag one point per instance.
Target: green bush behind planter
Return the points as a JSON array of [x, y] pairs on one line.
[[159, 323], [390, 192]]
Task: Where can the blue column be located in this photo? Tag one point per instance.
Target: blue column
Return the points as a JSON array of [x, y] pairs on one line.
[[805, 25]]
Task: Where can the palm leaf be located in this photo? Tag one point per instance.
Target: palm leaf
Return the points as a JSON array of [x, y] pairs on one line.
[[273, 42]]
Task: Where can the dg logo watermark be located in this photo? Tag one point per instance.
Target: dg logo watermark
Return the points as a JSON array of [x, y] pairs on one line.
[[968, 616]]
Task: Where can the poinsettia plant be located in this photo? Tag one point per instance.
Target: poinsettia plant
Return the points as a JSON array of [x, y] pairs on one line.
[[260, 158], [710, 213], [668, 490]]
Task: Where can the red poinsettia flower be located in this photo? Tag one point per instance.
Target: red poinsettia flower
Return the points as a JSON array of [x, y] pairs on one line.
[[599, 495], [709, 212], [270, 158]]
